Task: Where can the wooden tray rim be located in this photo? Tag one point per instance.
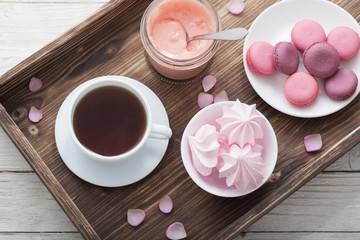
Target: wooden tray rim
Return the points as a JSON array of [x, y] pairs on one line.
[[59, 193]]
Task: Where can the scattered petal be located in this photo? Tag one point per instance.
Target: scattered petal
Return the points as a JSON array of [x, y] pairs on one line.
[[35, 115], [221, 97], [176, 231], [235, 6], [35, 84], [313, 142], [166, 204], [208, 82], [205, 99], [135, 217]]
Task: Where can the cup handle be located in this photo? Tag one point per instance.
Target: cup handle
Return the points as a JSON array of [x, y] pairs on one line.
[[160, 132]]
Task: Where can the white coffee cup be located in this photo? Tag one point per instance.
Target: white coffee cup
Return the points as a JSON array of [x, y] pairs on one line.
[[152, 130]]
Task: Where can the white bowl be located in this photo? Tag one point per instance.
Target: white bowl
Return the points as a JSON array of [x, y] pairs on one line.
[[212, 183]]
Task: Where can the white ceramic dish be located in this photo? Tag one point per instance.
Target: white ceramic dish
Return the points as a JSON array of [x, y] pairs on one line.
[[116, 174], [212, 183], [275, 25]]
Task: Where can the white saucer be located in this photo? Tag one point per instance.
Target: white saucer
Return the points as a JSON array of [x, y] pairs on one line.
[[274, 25], [115, 174]]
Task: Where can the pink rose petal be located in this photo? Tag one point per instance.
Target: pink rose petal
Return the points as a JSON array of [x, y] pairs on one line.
[[208, 82], [176, 231], [166, 204], [313, 142], [221, 97], [205, 99], [235, 6], [35, 115], [35, 84], [135, 217]]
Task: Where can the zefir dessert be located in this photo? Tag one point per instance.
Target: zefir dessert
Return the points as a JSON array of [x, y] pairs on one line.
[[163, 30], [229, 149]]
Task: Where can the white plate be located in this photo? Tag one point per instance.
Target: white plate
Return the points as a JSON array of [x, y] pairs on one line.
[[275, 25], [116, 174]]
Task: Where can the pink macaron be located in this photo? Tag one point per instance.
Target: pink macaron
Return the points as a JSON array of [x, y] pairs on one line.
[[321, 59], [346, 41], [307, 32], [301, 89], [259, 58], [341, 85], [286, 58]]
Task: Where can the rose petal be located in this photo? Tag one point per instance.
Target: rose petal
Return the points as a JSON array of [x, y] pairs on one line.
[[35, 115], [176, 231], [235, 6], [221, 97], [35, 84], [135, 217], [208, 82], [205, 99], [166, 204], [313, 142]]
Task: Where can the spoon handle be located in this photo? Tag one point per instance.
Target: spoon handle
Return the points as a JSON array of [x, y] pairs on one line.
[[231, 34]]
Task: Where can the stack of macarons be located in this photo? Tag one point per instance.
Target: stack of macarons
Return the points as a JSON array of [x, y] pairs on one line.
[[321, 58]]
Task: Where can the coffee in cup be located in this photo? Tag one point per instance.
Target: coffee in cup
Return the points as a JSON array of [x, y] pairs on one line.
[[111, 119]]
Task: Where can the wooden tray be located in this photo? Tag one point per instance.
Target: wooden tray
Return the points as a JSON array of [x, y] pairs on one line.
[[108, 43]]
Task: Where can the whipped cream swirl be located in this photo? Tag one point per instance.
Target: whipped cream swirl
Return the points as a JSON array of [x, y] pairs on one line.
[[241, 124], [243, 167], [231, 148], [204, 148]]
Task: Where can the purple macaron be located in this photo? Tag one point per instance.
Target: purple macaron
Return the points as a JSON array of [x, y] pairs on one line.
[[321, 60], [341, 85], [286, 58]]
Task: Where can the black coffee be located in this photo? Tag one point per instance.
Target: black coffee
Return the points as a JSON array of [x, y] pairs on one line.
[[109, 120]]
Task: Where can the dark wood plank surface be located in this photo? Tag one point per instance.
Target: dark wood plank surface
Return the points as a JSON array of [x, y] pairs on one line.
[[109, 44]]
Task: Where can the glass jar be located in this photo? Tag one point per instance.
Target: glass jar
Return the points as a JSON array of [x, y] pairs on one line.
[[177, 69]]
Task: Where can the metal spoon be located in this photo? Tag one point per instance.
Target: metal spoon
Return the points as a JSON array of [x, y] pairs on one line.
[[231, 34]]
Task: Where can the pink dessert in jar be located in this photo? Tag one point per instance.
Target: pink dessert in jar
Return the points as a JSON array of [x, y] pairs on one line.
[[229, 149], [171, 21], [163, 33]]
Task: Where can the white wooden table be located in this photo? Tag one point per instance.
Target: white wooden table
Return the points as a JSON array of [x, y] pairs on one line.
[[328, 207]]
